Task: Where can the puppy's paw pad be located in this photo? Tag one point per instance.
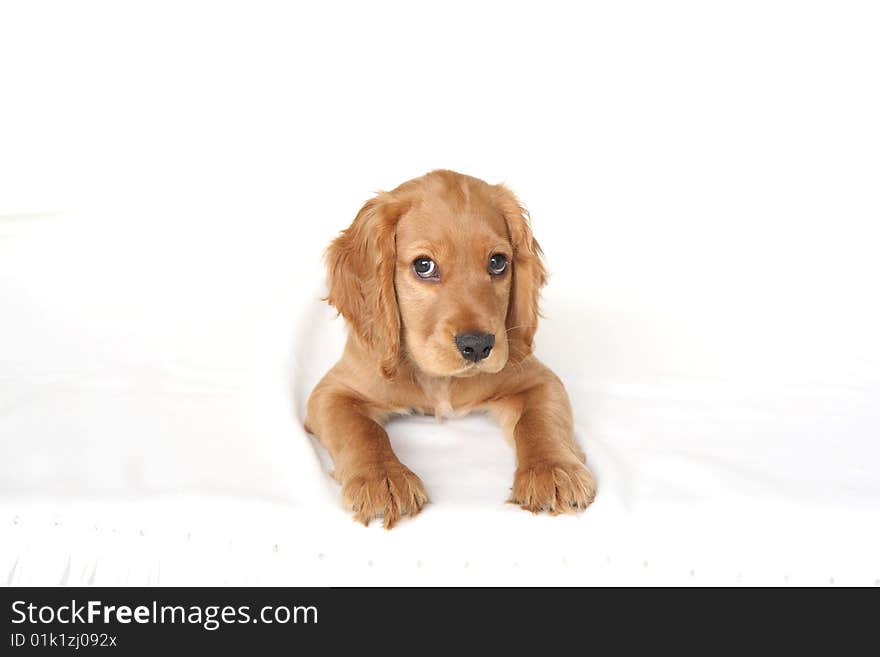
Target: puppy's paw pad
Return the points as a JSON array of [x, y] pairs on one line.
[[553, 487], [387, 490]]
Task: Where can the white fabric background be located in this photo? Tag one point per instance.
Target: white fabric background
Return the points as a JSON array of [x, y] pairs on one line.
[[703, 181]]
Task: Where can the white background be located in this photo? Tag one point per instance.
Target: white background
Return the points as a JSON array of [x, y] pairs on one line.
[[703, 178]]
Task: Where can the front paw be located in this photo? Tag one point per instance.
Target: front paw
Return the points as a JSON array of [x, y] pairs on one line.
[[388, 490], [556, 487]]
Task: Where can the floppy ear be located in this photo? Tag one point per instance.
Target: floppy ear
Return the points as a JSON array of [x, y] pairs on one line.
[[360, 276], [528, 274]]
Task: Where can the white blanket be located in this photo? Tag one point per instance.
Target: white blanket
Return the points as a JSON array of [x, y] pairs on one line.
[[151, 433]]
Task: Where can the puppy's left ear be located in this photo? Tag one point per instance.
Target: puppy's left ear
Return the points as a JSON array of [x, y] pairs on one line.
[[528, 272]]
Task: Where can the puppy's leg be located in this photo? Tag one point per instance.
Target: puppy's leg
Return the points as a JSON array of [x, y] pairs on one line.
[[374, 481], [550, 473]]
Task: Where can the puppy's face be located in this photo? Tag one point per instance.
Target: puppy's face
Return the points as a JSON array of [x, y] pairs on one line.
[[453, 281], [442, 272]]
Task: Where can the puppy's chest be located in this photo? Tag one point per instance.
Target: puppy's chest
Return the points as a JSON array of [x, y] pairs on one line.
[[440, 401]]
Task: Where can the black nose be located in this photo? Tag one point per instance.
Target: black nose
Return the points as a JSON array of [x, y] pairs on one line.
[[475, 346]]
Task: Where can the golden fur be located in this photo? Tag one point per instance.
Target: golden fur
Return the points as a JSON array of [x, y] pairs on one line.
[[401, 354]]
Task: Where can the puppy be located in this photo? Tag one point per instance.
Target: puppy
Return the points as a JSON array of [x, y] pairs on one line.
[[438, 281]]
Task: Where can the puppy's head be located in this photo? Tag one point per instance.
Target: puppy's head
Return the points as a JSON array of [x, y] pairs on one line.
[[442, 271]]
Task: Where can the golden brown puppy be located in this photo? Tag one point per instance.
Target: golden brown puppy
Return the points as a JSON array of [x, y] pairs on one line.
[[439, 281]]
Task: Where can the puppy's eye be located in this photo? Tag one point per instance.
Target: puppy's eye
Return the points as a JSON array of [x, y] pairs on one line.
[[425, 268], [497, 264]]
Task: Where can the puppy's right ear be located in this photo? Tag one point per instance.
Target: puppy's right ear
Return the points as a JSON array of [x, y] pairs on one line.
[[360, 279]]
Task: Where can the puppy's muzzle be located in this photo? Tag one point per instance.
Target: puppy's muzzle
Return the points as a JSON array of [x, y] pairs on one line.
[[475, 346]]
